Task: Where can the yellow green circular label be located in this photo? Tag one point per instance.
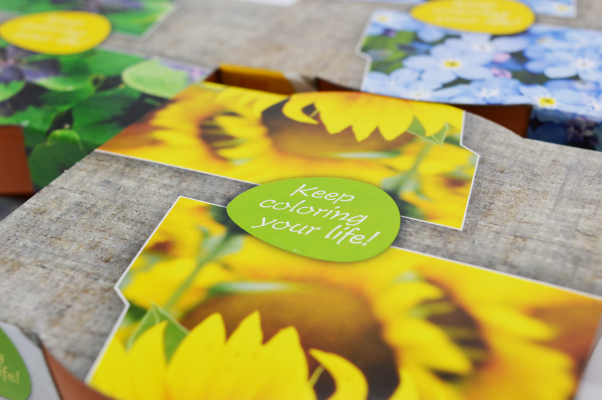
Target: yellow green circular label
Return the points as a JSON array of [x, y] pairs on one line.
[[330, 219], [57, 32], [496, 17]]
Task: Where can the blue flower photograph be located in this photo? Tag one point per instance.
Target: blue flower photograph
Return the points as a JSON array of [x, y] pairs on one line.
[[556, 70]]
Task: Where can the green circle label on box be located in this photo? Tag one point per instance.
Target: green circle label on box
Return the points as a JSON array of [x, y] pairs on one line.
[[15, 383], [330, 219]]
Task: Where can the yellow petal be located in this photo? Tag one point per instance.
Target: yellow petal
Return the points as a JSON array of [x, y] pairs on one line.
[[238, 360], [147, 364], [407, 389], [429, 117], [454, 116], [397, 118], [293, 108], [400, 298], [191, 367], [425, 344], [247, 101], [338, 110], [281, 370], [513, 321], [349, 380], [368, 113], [112, 376]]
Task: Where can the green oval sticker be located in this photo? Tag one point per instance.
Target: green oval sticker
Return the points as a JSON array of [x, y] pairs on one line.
[[329, 219], [15, 383]]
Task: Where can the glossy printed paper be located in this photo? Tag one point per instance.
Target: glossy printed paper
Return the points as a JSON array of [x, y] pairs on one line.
[[216, 313], [130, 17], [557, 70], [411, 150]]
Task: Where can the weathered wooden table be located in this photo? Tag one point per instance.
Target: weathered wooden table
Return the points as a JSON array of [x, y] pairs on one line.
[[535, 210]]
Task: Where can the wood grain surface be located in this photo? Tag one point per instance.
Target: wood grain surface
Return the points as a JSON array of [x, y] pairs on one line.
[[535, 208]]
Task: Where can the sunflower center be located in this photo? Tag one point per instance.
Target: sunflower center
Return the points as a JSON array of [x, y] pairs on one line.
[[327, 318]]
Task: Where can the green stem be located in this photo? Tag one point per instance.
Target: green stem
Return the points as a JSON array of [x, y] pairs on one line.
[[420, 157], [175, 297], [397, 181]]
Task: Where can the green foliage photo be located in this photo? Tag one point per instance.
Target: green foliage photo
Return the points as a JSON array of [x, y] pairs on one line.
[[132, 17], [70, 105]]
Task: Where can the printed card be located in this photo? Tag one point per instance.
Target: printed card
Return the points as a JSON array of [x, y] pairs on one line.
[[411, 150], [216, 313], [130, 17], [69, 105], [556, 70]]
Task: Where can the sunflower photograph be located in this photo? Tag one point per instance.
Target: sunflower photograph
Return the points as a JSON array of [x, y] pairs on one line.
[[215, 313], [411, 150]]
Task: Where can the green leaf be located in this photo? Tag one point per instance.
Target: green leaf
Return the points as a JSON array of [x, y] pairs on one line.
[[381, 42], [8, 90], [65, 83], [92, 118], [137, 22], [35, 122], [29, 6], [111, 63], [49, 160], [174, 332], [62, 101], [227, 288], [75, 73], [155, 79]]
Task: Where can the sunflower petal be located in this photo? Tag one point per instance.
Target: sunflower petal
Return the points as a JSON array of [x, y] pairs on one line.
[[454, 116], [349, 380], [281, 370], [293, 108], [112, 377], [397, 118], [338, 111], [147, 363], [429, 117], [407, 389], [191, 368], [237, 361], [425, 344], [513, 321]]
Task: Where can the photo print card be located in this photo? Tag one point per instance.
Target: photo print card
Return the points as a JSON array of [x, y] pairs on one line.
[[136, 18], [556, 70], [412, 150], [215, 312]]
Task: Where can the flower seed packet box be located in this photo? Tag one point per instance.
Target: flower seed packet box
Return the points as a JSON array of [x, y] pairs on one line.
[[211, 310], [555, 70]]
